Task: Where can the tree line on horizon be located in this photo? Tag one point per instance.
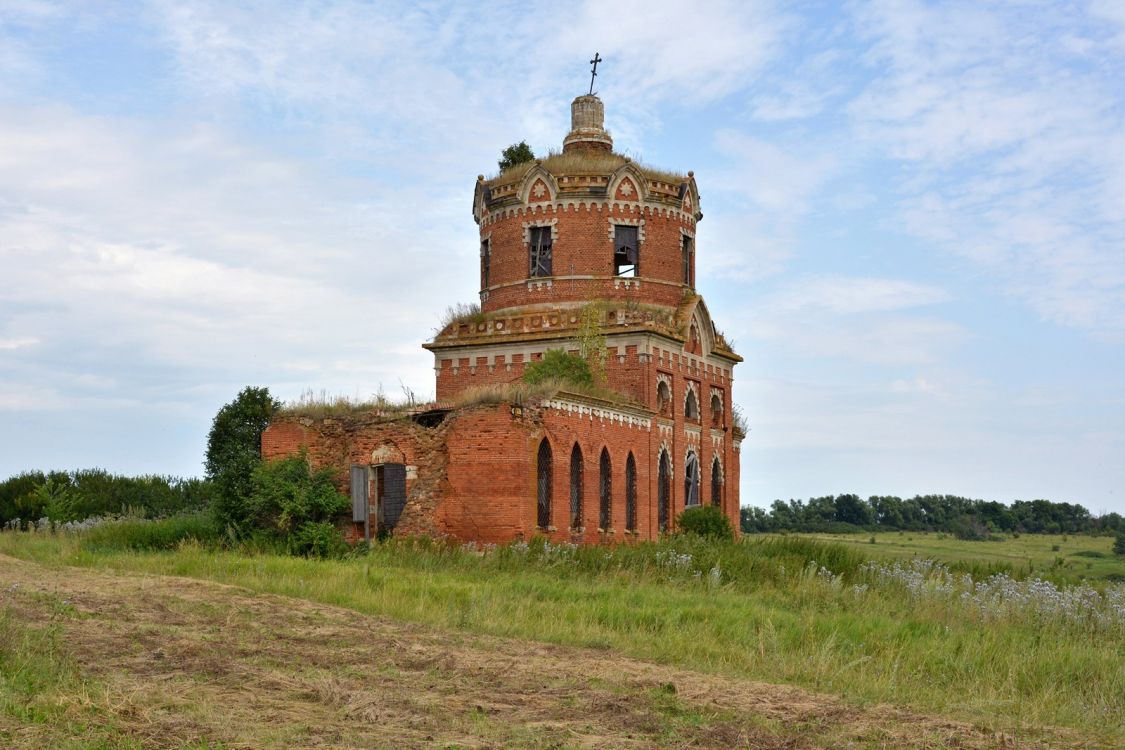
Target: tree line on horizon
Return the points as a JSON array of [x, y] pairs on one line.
[[963, 517]]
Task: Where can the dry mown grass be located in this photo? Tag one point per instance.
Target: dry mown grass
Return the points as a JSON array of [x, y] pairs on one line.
[[173, 662]]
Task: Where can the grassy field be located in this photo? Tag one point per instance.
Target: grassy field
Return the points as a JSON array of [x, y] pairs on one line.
[[787, 611], [1058, 557]]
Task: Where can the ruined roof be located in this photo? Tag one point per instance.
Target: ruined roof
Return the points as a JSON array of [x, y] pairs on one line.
[[583, 163]]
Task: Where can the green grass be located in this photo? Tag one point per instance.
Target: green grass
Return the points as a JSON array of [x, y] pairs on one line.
[[766, 616], [164, 534], [44, 692], [1078, 557]]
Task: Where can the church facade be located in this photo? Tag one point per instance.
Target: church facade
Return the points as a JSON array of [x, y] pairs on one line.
[[582, 246]]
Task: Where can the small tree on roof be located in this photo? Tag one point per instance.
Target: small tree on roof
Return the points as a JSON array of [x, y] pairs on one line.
[[515, 154]]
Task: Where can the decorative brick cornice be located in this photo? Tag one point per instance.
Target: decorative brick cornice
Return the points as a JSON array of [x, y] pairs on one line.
[[573, 407]]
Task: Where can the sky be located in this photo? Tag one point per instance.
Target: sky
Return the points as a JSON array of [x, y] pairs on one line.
[[914, 224]]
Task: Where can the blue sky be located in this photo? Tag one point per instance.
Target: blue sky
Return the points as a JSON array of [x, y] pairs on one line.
[[914, 218]]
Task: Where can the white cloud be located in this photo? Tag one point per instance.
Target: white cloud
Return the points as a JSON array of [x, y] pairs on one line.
[[848, 295], [18, 343], [664, 51], [1009, 135]]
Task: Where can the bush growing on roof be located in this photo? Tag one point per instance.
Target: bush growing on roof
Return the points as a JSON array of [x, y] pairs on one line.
[[559, 365], [517, 153]]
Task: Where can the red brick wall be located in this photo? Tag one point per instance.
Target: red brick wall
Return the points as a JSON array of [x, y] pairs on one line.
[[582, 247], [474, 476]]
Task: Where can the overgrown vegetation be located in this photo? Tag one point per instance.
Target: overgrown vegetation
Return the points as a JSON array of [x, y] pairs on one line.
[[294, 503], [460, 312], [62, 496], [323, 404], [141, 534], [585, 162], [706, 521], [1010, 655], [591, 341], [559, 366], [517, 153], [234, 450]]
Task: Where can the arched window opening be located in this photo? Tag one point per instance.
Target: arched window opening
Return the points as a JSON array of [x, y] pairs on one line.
[[691, 480], [630, 493], [716, 483], [716, 410], [664, 398], [693, 340], [663, 492], [543, 474], [691, 406], [576, 487], [605, 491]]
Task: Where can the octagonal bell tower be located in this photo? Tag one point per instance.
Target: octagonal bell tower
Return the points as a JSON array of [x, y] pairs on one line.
[[584, 226]]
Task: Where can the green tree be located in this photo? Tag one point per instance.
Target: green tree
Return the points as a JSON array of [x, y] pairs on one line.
[[1119, 544], [517, 153], [234, 450], [851, 509]]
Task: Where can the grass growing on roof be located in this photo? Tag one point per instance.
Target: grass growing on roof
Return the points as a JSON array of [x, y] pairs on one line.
[[580, 162]]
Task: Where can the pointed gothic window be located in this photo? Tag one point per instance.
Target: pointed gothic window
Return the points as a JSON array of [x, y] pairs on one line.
[[691, 480], [605, 491], [691, 406], [664, 492], [576, 487], [626, 251], [630, 493], [539, 252], [716, 483], [543, 475], [716, 410]]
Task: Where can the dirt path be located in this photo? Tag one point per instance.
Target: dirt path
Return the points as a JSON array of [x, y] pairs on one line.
[[186, 663]]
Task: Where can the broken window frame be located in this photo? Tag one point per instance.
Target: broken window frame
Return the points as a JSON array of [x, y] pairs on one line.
[[626, 250], [539, 252], [664, 398], [691, 480], [717, 410]]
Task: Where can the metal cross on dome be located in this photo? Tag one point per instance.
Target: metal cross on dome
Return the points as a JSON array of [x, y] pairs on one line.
[[594, 71]]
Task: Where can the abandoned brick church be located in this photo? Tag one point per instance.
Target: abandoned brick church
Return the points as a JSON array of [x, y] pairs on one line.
[[585, 229]]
